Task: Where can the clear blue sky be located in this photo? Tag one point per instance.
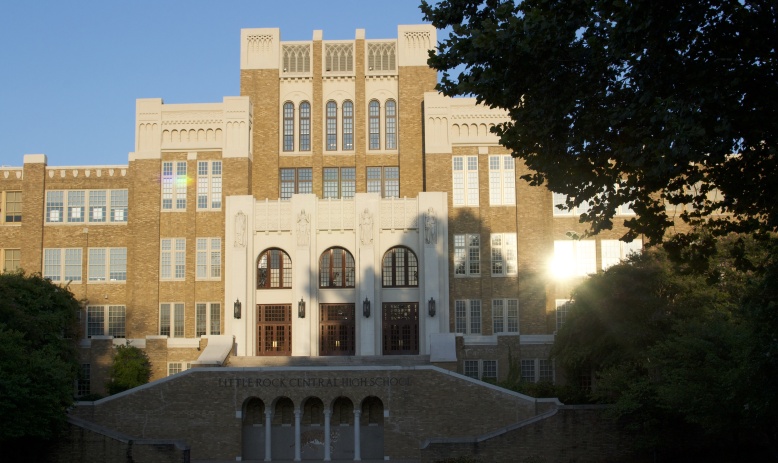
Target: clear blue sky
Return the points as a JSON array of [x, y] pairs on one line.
[[70, 70]]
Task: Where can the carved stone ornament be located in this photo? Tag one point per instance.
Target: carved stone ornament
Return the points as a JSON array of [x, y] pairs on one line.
[[303, 228], [240, 229], [430, 227], [366, 227]]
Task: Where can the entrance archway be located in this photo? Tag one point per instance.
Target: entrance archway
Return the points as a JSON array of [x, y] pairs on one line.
[[253, 429]]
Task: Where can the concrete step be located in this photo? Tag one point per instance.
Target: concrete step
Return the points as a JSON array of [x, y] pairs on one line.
[[340, 361]]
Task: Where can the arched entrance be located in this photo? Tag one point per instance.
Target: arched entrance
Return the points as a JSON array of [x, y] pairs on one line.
[[312, 438], [253, 429], [372, 429], [283, 432], [342, 429]]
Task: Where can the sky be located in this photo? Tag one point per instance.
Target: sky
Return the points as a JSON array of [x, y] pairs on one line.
[[70, 71]]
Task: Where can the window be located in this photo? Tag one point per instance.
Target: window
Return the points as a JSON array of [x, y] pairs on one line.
[[340, 182], [177, 367], [613, 251], [481, 369], [174, 185], [11, 259], [502, 181], [348, 125], [505, 315], [381, 56], [400, 268], [288, 126], [80, 206], [171, 319], [10, 207], [332, 126], [562, 306], [208, 318], [209, 185], [468, 316], [112, 259], [536, 370], [574, 258], [297, 58], [172, 259], [504, 254], [296, 181], [83, 384], [62, 265], [305, 126], [209, 258], [274, 270], [110, 320], [467, 255], [560, 200], [336, 269], [384, 180], [339, 57], [465, 172], [390, 119], [374, 124]]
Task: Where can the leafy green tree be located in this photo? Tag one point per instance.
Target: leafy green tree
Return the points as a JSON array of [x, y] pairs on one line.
[[685, 356], [38, 360], [644, 102], [131, 368]]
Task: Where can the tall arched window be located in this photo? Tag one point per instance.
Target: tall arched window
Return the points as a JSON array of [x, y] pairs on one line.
[[374, 124], [332, 126], [274, 269], [400, 268], [305, 126], [288, 126], [391, 125], [348, 125], [336, 269]]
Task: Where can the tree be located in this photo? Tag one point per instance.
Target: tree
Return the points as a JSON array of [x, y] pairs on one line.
[[131, 368], [38, 359], [646, 103], [686, 357]]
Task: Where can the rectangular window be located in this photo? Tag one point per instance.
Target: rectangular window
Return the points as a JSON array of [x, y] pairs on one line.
[[10, 207], [75, 206], [560, 207], [536, 370], [528, 370], [62, 265], [55, 206], [176, 367], [97, 206], [471, 369], [112, 260], [504, 259], [545, 370], [505, 315], [108, 320], [481, 369], [209, 185], [468, 316], [614, 251], [11, 259], [83, 385], [384, 181], [574, 258], [562, 305], [209, 258], [174, 183], [340, 182], [296, 181], [467, 255], [171, 320], [172, 259], [118, 205], [80, 206], [207, 318], [465, 180], [502, 181]]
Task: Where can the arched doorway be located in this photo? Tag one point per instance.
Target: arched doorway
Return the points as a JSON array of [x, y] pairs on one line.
[[372, 429], [342, 429], [312, 438], [253, 429], [282, 432]]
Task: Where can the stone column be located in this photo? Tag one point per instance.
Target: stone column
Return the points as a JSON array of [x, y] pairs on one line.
[[268, 423], [327, 441], [357, 445], [297, 415]]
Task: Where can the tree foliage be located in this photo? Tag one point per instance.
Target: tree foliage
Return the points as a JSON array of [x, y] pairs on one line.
[[688, 358], [642, 102], [130, 368], [38, 358]]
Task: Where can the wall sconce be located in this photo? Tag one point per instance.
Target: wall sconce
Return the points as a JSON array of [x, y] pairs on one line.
[[301, 308], [366, 308], [431, 307], [236, 308]]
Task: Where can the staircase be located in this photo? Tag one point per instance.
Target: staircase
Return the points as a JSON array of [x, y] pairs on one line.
[[329, 362]]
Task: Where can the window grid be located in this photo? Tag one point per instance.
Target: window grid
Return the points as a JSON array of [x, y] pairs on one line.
[[76, 206], [465, 181], [340, 182], [62, 265], [209, 185], [502, 181], [400, 268], [274, 270], [172, 259], [11, 259], [83, 386], [613, 251], [288, 126], [374, 124], [174, 184], [10, 206], [332, 126], [481, 369], [207, 318], [296, 181], [112, 259], [305, 126], [97, 206], [117, 320], [467, 316], [384, 180], [575, 257], [536, 370], [467, 255], [504, 258], [176, 317], [336, 269], [209, 258], [80, 206], [505, 315], [95, 321], [562, 306], [390, 120], [348, 125], [560, 200]]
